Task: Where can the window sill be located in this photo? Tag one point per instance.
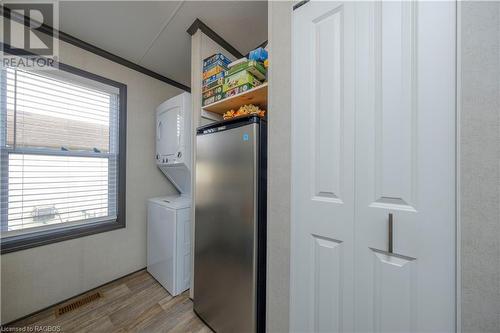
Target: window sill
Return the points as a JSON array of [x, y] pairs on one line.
[[27, 241]]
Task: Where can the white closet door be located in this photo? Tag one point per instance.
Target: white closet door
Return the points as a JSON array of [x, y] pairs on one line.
[[373, 135], [405, 166], [323, 163]]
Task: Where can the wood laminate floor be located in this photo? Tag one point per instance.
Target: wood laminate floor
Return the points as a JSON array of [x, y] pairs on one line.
[[135, 303]]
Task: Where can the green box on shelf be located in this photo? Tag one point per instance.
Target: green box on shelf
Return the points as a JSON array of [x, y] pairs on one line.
[[238, 79], [252, 66], [212, 99], [238, 90], [213, 84], [214, 91]]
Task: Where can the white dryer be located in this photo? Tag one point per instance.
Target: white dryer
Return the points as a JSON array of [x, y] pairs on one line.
[[173, 141]]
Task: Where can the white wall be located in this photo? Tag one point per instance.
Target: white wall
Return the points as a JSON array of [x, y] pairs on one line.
[[480, 165], [279, 159], [36, 278]]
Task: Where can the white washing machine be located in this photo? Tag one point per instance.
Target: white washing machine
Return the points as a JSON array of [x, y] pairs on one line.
[[169, 242]]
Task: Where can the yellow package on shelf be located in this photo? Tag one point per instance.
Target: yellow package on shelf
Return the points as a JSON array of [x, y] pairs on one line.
[[244, 110], [213, 71]]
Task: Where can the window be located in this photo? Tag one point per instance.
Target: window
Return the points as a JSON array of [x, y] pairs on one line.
[[62, 155]]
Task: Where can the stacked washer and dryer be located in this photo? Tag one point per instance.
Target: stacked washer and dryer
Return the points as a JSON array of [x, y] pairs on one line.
[[169, 218]]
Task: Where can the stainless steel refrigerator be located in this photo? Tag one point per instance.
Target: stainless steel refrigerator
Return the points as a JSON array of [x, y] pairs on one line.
[[230, 225]]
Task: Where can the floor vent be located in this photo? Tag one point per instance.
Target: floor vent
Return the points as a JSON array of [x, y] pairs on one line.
[[78, 303]]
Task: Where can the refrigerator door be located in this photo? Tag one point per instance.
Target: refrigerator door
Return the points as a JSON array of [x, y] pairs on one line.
[[226, 229]]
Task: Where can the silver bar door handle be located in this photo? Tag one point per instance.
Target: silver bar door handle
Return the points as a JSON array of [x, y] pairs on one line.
[[390, 232]]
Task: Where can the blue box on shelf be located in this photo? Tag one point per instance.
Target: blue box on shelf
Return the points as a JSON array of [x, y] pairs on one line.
[[213, 78], [218, 57], [259, 54]]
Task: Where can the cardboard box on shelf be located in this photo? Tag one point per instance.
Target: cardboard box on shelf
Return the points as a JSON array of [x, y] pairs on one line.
[[212, 99], [214, 91], [214, 58], [215, 64], [238, 90], [213, 84], [213, 71], [237, 62], [252, 66], [238, 79], [214, 78]]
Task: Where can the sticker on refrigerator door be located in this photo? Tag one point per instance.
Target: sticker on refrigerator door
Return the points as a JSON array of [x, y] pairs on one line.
[[245, 136]]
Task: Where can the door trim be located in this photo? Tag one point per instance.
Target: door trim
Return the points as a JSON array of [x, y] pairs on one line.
[[458, 224]]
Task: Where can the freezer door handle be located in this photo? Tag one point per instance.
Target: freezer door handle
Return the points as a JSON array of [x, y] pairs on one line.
[[390, 229]]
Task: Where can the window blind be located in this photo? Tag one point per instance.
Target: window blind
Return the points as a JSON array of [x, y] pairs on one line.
[[59, 151]]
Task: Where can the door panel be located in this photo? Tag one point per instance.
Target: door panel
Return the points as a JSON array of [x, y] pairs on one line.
[[394, 292], [405, 165], [395, 136], [373, 135], [328, 284], [327, 110], [323, 196]]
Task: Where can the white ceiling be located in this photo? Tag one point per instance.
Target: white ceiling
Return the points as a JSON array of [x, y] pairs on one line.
[[153, 33]]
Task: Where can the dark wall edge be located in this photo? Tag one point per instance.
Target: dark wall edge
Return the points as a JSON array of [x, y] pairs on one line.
[[198, 24], [263, 45], [96, 50], [300, 4]]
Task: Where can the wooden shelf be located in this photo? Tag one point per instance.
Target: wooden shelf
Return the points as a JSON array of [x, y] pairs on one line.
[[256, 96]]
